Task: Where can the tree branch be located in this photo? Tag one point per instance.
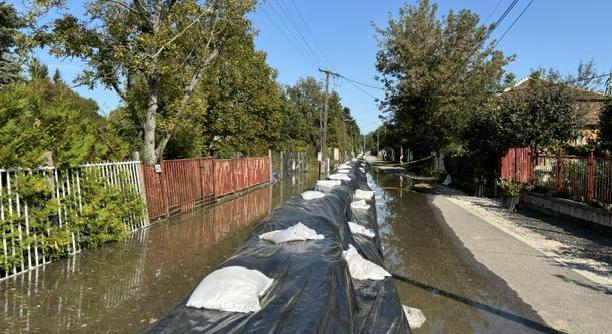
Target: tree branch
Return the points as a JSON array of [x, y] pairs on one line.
[[159, 51], [185, 99], [125, 6]]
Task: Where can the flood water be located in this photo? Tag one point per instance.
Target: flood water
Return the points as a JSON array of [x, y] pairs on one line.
[[126, 287], [435, 273]]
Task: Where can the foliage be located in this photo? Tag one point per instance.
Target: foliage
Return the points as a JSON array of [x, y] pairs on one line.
[[605, 123], [10, 22], [40, 115], [152, 53], [542, 115], [104, 209], [98, 215], [305, 101], [510, 188], [436, 73]]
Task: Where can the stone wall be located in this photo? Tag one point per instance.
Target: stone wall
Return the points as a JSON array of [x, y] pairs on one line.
[[567, 207]]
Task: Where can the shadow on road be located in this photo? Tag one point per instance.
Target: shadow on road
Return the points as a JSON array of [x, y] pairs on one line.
[[484, 307]]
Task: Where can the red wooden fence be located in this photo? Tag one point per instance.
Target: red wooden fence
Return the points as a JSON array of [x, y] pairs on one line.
[[180, 185], [584, 177], [516, 165]]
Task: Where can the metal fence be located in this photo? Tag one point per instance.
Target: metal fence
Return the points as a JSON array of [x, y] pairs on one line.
[[22, 247], [180, 185], [584, 178]]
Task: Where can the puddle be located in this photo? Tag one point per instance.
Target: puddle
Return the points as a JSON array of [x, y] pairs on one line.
[[436, 274], [126, 287]]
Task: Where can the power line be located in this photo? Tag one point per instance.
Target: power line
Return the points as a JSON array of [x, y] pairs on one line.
[[501, 18], [362, 90], [289, 39], [295, 38], [570, 81], [485, 37], [513, 22], [310, 33], [295, 27], [493, 11], [361, 83]]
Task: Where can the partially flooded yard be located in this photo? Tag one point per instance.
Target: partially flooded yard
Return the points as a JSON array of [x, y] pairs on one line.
[[126, 287]]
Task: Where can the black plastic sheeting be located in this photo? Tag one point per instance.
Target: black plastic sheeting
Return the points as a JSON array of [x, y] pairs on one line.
[[312, 291]]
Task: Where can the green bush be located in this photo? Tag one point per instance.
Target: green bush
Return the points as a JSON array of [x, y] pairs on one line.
[[102, 213]]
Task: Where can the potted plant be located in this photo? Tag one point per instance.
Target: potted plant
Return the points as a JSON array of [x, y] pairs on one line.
[[510, 193]]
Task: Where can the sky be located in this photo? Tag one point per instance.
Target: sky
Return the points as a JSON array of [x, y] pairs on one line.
[[300, 36]]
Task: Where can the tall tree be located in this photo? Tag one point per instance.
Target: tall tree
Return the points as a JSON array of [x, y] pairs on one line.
[[436, 72], [153, 53], [41, 115], [605, 124], [10, 22]]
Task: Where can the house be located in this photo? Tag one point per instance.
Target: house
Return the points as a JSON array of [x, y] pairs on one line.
[[590, 104]]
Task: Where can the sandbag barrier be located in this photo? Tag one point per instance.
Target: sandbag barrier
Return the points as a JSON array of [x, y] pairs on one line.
[[313, 290]]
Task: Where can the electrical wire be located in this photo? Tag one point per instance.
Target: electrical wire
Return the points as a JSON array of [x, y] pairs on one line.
[[485, 37], [291, 41], [311, 34], [294, 37], [360, 83], [300, 36], [513, 22], [493, 11]]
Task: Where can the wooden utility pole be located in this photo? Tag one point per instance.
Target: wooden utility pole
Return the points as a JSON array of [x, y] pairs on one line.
[[323, 121], [377, 142]]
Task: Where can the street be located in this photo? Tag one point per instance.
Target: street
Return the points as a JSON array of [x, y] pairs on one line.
[[470, 274]]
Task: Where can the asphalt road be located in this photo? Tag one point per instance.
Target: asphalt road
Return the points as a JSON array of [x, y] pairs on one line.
[[565, 300]]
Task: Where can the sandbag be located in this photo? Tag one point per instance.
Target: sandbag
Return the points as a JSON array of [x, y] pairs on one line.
[[297, 232], [231, 289]]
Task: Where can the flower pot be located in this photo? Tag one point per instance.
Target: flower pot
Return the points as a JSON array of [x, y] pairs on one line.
[[510, 202]]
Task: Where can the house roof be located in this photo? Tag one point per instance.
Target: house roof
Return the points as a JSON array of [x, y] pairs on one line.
[[590, 102]]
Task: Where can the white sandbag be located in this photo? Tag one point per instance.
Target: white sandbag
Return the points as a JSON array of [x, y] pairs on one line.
[[361, 268], [354, 160], [231, 289], [344, 171], [342, 177], [343, 166], [415, 317], [328, 183], [363, 194], [358, 229], [297, 232], [360, 204], [362, 169], [311, 194]]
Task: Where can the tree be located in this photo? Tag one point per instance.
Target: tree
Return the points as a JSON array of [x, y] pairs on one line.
[[605, 124], [306, 96], [37, 70], [39, 116], [436, 72], [10, 23], [542, 116], [153, 53], [234, 111], [57, 77]]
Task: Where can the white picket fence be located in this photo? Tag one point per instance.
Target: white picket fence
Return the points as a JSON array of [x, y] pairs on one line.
[[66, 182]]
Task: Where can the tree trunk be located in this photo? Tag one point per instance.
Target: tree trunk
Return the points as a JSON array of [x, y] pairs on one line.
[[150, 154]]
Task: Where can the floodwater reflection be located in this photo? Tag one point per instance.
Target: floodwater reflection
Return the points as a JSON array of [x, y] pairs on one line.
[[126, 287]]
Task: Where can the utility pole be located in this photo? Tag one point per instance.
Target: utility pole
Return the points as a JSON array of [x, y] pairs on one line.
[[377, 142], [323, 121], [364, 145]]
